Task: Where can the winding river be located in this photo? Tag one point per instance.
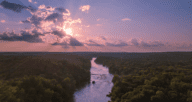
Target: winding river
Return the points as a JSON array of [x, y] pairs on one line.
[[96, 92]]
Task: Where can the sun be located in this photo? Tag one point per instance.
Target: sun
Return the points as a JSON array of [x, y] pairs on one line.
[[68, 31]]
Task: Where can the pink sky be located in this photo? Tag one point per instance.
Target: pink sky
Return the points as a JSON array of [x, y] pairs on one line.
[[102, 26]]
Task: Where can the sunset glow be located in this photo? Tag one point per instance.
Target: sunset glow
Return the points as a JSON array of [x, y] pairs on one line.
[[95, 50], [68, 31], [131, 26]]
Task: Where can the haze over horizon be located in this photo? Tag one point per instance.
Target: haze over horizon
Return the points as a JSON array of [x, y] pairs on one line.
[[95, 26]]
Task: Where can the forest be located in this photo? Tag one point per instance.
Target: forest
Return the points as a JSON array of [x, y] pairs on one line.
[[42, 78], [151, 77], [45, 77]]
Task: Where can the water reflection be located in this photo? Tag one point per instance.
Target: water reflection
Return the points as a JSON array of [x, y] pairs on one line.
[[96, 92]]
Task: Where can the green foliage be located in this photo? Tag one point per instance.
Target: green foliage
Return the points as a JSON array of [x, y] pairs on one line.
[[149, 79], [115, 78], [41, 78]]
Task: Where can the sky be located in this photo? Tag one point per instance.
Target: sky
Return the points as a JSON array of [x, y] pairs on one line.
[[95, 25]]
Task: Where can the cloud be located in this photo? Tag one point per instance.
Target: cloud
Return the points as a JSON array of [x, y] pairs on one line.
[[75, 42], [49, 24], [85, 8], [152, 44], [12, 6], [126, 19], [98, 19], [31, 9], [30, 0], [63, 44], [16, 7], [35, 20], [41, 6], [72, 42], [87, 26], [26, 21], [52, 16], [60, 9], [25, 36], [93, 43], [59, 33], [99, 24], [134, 42], [119, 44], [144, 44], [48, 14], [183, 46], [2, 21], [102, 37]]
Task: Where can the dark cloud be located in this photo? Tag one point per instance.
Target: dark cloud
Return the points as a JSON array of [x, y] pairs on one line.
[[31, 9], [12, 6], [75, 42], [92, 43], [35, 20], [59, 33], [60, 9], [134, 42], [184, 46], [26, 21], [25, 36], [48, 7], [52, 17], [121, 44], [16, 7], [63, 44], [36, 32], [56, 43], [102, 37], [152, 44], [145, 44]]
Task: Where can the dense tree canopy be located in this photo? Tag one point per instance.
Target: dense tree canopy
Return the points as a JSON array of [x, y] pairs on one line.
[[149, 79], [40, 79]]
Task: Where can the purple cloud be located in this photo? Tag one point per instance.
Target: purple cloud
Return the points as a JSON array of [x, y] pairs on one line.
[[152, 44], [12, 6], [62, 10], [59, 33], [26, 21], [52, 17], [92, 43], [25, 36], [16, 7], [47, 20], [121, 44], [72, 42], [134, 42], [102, 37], [75, 42]]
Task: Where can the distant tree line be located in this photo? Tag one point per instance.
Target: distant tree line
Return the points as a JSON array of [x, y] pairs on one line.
[[149, 80]]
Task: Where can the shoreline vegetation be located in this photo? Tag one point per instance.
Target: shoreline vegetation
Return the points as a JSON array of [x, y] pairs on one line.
[[54, 77], [157, 77], [42, 78]]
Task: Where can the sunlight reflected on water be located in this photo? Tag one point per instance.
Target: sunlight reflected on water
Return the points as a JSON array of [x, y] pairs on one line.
[[96, 92]]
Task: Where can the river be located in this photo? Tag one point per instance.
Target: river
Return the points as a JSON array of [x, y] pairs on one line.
[[96, 92]]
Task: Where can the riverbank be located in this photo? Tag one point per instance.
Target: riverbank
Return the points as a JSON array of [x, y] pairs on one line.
[[96, 92], [156, 78], [42, 78]]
